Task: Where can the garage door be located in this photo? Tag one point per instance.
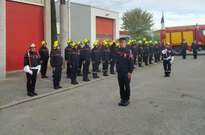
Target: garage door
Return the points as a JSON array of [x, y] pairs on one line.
[[24, 25], [104, 28]]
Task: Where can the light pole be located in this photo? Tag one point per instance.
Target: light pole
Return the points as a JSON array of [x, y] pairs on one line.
[[63, 23]]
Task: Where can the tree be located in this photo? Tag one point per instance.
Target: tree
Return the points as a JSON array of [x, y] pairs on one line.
[[53, 22], [137, 22]]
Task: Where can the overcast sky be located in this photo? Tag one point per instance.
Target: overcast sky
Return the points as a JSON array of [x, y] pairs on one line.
[[176, 12]]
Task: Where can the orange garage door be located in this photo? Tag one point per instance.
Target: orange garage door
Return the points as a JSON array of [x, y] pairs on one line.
[[104, 28], [24, 25]]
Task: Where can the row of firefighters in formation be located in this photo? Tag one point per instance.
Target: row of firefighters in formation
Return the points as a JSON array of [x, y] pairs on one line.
[[79, 55]]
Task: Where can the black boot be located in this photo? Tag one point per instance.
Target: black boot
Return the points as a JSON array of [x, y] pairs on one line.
[[74, 82], [105, 74]]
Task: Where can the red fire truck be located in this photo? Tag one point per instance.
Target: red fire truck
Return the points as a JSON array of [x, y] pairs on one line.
[[175, 35]]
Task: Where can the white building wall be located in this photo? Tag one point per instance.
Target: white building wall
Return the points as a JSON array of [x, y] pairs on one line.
[[2, 39], [106, 14], [80, 21]]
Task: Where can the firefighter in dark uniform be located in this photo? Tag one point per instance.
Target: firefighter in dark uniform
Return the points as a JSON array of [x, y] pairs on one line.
[[85, 56], [146, 53], [105, 57], [56, 61], [183, 47], [32, 68], [80, 47], [140, 53], [125, 66], [113, 53], [134, 51], [168, 58], [155, 51], [100, 57], [74, 61], [67, 56], [44, 56], [159, 51], [151, 51], [195, 48], [95, 56]]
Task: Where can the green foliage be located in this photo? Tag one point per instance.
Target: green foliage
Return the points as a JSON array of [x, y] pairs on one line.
[[137, 22]]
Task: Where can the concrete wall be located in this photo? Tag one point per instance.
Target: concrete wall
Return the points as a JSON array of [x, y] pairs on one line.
[[106, 14], [2, 39], [80, 21]]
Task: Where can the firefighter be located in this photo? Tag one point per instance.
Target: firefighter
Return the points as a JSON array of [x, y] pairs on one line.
[[105, 57], [56, 64], [67, 56], [155, 51], [183, 47], [85, 56], [125, 66], [74, 61], [113, 51], [44, 56], [134, 51], [80, 47], [195, 47], [146, 53], [140, 53], [151, 52], [168, 58], [95, 56], [100, 59], [32, 68]]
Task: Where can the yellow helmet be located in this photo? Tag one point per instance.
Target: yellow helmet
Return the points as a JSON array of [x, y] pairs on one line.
[[105, 43], [69, 41], [56, 44], [73, 44], [146, 42], [78, 42], [140, 42], [144, 39], [43, 42], [96, 43], [155, 42], [129, 42], [85, 41], [111, 43]]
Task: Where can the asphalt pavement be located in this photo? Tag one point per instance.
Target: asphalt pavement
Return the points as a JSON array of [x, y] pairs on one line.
[[159, 106]]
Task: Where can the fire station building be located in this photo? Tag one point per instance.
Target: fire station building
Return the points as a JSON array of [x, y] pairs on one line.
[[23, 22]]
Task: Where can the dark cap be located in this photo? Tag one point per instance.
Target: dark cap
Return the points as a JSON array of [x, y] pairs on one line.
[[122, 39]]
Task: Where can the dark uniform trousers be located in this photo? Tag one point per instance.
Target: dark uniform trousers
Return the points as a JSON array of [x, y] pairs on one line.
[[74, 71], [68, 69], [112, 65], [140, 61], [86, 64], [44, 67], [195, 54], [95, 67], [31, 81], [124, 84], [57, 76], [167, 67]]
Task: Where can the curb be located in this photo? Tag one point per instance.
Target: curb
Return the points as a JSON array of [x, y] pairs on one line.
[[14, 103]]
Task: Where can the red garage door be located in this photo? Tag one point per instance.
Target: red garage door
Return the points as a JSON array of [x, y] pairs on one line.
[[104, 28], [24, 25]]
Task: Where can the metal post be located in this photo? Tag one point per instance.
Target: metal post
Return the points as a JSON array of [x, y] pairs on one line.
[[63, 23], [2, 39], [47, 23]]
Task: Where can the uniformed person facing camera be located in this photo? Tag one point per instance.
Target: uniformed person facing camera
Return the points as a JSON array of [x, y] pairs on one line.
[[125, 66]]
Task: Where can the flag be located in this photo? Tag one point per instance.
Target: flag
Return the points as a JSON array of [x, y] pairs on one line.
[[162, 21]]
